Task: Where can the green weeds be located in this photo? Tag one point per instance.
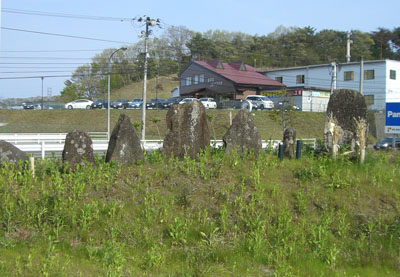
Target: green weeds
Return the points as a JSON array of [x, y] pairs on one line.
[[214, 215]]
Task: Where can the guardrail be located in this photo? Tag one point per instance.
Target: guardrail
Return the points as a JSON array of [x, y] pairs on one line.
[[47, 144]]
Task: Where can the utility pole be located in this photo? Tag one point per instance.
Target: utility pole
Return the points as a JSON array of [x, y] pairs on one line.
[[42, 91], [349, 42], [149, 23], [334, 76], [157, 91], [362, 76]]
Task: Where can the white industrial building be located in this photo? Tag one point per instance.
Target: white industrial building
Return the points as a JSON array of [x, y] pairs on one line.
[[311, 85]]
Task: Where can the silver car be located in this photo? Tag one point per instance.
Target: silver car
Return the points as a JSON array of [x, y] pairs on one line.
[[262, 102]]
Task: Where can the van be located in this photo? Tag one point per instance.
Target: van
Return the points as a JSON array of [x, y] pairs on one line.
[[262, 102]]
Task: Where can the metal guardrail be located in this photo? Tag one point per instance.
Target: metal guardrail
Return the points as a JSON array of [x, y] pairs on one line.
[[47, 144]]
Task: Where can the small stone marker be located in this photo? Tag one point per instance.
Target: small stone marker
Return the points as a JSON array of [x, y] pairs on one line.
[[124, 145], [187, 130], [346, 121], [289, 142], [77, 149], [242, 135], [10, 153]]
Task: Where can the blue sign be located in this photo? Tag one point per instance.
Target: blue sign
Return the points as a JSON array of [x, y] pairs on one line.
[[392, 125]]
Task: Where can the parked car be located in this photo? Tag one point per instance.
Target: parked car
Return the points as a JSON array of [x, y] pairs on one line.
[[287, 105], [136, 103], [171, 101], [119, 104], [263, 102], [28, 105], [186, 100], [100, 104], [155, 103], [79, 104], [209, 103], [386, 143], [237, 104]]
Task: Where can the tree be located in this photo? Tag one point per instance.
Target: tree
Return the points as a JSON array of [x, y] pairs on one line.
[[331, 46], [71, 91], [176, 39], [362, 43], [382, 38]]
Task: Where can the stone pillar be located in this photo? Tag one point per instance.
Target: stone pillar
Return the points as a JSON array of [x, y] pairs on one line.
[[289, 142], [124, 145], [242, 134], [187, 130], [78, 149]]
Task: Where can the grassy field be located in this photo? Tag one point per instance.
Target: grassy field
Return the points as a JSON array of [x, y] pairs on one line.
[[218, 215], [134, 90], [308, 125]]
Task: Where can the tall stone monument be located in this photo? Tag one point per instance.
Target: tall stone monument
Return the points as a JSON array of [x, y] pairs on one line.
[[124, 145], [243, 135], [346, 122], [187, 130], [78, 149]]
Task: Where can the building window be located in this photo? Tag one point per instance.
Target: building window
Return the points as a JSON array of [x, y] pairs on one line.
[[201, 78], [349, 75], [196, 79], [392, 74], [189, 81], [183, 82], [369, 74], [279, 79], [299, 79], [369, 99]]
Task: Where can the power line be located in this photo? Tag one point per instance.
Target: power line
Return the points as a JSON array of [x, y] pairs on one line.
[[48, 51], [61, 35], [63, 15]]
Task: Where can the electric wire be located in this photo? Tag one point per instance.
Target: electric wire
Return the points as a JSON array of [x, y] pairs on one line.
[[62, 35], [63, 15]]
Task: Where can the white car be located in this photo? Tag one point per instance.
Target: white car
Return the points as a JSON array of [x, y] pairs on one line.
[[209, 103], [186, 100], [79, 104], [262, 102]]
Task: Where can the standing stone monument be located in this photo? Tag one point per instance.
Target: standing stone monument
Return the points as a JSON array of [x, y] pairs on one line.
[[242, 135], [124, 145], [289, 142], [77, 149], [187, 130], [346, 122], [11, 154]]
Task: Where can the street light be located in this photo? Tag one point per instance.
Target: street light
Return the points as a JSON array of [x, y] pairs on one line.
[[108, 90]]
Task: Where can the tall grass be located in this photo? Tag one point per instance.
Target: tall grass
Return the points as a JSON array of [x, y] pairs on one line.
[[214, 216]]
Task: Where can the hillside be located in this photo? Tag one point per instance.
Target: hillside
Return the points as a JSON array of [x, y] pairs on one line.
[[308, 125], [135, 89]]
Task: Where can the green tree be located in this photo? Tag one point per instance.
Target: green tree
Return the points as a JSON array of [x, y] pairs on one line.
[[382, 47], [71, 91]]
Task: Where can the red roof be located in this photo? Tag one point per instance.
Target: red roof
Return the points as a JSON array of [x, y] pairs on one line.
[[232, 72]]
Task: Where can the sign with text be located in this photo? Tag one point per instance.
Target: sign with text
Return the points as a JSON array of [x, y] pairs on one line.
[[392, 125]]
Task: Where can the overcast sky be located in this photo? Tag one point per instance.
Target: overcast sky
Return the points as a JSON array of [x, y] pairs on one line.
[[30, 54]]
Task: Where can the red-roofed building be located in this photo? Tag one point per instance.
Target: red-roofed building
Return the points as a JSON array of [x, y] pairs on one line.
[[224, 80]]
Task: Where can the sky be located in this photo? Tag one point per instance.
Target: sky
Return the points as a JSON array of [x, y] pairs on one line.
[[33, 55]]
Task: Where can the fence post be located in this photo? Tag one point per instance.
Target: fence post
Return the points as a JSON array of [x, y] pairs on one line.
[[280, 151], [43, 150], [32, 164], [298, 149]]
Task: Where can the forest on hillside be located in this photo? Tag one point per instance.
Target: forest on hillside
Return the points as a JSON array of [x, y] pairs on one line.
[[285, 47]]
